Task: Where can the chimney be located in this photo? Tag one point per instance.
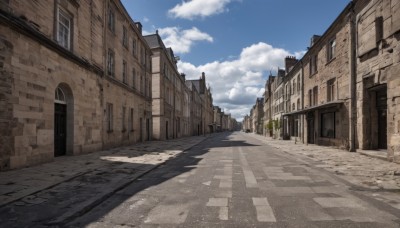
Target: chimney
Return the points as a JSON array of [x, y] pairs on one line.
[[139, 26], [290, 61], [314, 39], [183, 75], [203, 75]]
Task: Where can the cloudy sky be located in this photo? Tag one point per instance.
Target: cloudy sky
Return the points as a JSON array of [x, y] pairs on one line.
[[237, 43]]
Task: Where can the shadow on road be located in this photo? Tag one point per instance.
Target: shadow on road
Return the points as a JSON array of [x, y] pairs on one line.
[[57, 206]]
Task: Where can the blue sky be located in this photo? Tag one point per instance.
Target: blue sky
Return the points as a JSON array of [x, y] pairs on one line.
[[235, 42]]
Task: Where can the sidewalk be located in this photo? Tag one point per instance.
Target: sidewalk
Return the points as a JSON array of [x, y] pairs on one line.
[[370, 172], [105, 172]]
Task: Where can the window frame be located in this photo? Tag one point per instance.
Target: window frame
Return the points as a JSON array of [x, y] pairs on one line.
[[330, 89], [331, 49], [331, 134], [313, 64], [109, 111], [64, 13], [111, 63], [125, 36], [124, 72], [111, 19]]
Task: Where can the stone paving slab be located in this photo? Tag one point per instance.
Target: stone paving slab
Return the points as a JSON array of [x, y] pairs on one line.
[[129, 160], [360, 169]]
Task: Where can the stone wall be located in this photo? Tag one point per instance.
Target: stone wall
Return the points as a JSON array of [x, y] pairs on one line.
[[378, 68]]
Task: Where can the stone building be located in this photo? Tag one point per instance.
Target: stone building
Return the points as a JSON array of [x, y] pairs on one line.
[[377, 27], [328, 76], [207, 112], [217, 120], [246, 124], [268, 97], [277, 103], [168, 88], [195, 110], [293, 122], [127, 79], [257, 114], [64, 66]]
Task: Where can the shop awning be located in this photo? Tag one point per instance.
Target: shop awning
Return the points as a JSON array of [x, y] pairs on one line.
[[330, 104]]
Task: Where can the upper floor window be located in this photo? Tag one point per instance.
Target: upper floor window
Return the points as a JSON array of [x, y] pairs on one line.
[[313, 64], [134, 78], [298, 84], [134, 51], [294, 87], [110, 62], [315, 93], [124, 78], [64, 28], [111, 20], [331, 50], [331, 90], [124, 36]]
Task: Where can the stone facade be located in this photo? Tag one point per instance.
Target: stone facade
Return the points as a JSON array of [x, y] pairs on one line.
[[378, 81], [257, 116], [168, 91], [43, 73], [293, 122]]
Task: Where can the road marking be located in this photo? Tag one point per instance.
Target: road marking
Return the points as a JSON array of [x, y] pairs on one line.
[[263, 210], [217, 202], [249, 177], [208, 183], [223, 213], [337, 202]]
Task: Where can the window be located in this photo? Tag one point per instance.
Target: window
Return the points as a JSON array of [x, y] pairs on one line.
[[124, 80], [110, 62], [134, 78], [315, 93], [298, 103], [296, 126], [141, 84], [111, 20], [298, 84], [109, 112], [64, 25], [294, 87], [310, 100], [124, 37], [331, 90], [313, 64], [328, 125], [331, 50], [130, 120], [123, 119], [134, 52]]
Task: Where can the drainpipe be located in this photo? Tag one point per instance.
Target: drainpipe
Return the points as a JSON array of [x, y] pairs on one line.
[[353, 75]]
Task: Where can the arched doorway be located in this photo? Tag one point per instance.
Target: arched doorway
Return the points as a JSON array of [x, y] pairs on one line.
[[63, 121]]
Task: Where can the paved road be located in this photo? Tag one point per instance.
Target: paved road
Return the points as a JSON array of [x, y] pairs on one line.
[[235, 180]]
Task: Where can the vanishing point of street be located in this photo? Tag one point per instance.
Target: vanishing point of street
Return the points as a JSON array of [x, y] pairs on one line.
[[226, 180]]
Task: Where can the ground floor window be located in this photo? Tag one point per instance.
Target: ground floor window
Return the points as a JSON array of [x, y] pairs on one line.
[[296, 127], [328, 125]]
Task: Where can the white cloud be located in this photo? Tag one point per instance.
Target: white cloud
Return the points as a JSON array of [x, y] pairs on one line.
[[198, 8], [181, 41], [237, 83]]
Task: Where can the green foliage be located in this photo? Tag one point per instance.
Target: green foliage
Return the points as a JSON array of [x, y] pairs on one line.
[[277, 124], [269, 125]]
